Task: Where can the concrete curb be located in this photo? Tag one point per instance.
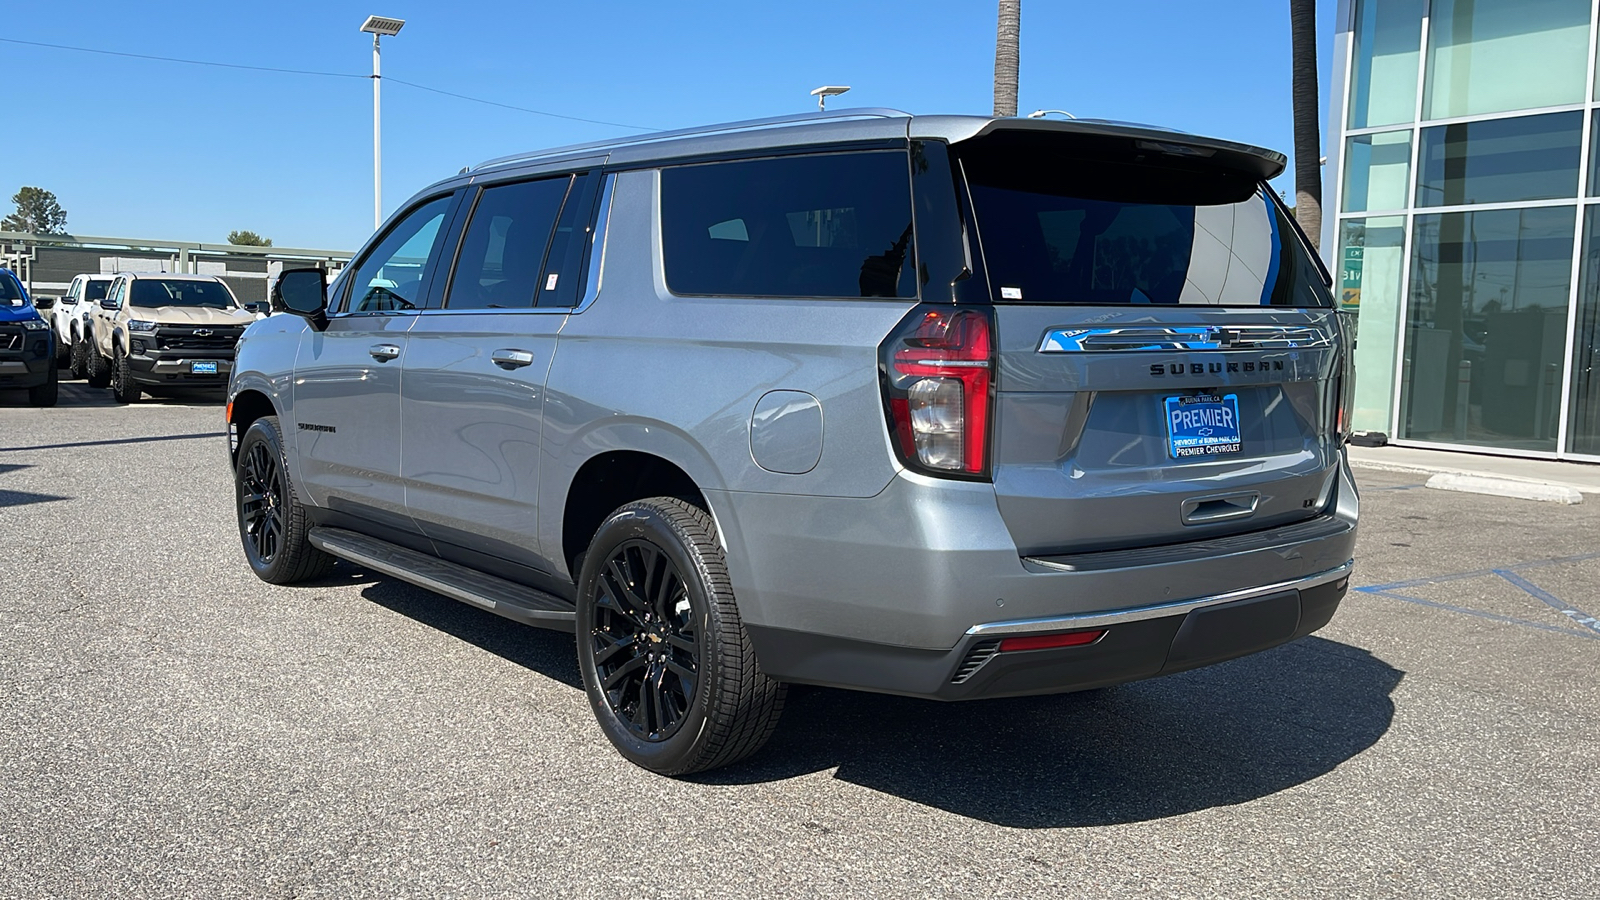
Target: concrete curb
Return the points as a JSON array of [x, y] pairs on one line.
[[1420, 469], [1506, 487]]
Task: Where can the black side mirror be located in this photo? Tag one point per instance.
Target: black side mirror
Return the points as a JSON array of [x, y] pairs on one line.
[[256, 306], [44, 302], [303, 292], [108, 303]]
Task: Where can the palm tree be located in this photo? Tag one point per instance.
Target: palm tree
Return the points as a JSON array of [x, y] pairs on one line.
[[1006, 57], [1307, 140]]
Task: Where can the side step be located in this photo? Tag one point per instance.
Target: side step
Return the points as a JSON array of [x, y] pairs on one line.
[[501, 597]]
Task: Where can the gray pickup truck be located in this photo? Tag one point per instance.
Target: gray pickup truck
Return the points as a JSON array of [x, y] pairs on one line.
[[941, 406]]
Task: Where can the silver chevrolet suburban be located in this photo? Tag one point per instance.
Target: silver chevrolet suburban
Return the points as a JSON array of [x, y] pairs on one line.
[[941, 406]]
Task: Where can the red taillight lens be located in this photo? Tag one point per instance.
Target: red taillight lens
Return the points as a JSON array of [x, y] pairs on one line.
[[1050, 641], [939, 369]]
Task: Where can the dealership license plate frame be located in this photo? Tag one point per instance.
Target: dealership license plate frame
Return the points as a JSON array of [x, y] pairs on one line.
[[1211, 436], [204, 367]]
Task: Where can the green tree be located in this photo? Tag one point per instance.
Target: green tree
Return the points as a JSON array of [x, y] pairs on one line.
[[248, 239], [37, 213], [1307, 137], [1006, 57]]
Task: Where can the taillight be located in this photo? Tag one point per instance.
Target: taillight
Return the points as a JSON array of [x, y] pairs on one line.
[[938, 372]]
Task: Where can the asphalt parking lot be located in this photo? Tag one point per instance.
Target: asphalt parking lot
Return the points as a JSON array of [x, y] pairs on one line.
[[170, 726]]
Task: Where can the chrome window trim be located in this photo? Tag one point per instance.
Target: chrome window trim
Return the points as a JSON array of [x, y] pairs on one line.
[[597, 248], [1141, 613]]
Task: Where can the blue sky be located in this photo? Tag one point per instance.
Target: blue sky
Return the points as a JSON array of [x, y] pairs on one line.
[[152, 149]]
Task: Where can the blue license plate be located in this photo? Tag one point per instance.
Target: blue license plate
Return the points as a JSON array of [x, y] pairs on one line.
[[1202, 425], [203, 368]]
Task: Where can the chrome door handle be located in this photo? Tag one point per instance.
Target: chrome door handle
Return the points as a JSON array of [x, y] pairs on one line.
[[512, 359], [383, 352]]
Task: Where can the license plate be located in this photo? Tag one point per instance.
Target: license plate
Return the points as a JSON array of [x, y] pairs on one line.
[[1202, 425], [203, 368]]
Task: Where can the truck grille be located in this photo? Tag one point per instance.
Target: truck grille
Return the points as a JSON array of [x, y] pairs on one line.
[[11, 337], [216, 339]]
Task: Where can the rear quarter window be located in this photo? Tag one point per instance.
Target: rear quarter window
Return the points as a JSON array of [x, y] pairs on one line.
[[829, 225]]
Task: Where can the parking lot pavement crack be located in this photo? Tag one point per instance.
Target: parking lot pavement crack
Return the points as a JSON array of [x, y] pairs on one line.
[[46, 679]]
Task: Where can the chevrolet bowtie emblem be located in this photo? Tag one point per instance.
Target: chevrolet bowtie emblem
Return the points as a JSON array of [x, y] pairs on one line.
[[202, 332]]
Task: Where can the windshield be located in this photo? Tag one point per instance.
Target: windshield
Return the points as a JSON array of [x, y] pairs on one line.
[[160, 292], [1105, 231], [10, 290], [95, 290]]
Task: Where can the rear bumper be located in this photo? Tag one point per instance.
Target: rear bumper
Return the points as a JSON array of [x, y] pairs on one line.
[[893, 592], [1136, 644]]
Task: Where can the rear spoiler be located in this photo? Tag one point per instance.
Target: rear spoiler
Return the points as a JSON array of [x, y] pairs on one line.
[[1257, 162]]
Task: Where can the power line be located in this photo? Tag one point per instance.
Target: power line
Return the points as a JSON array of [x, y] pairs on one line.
[[191, 62], [420, 87], [423, 87]]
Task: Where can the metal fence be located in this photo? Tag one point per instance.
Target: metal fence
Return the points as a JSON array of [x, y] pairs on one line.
[[46, 264]]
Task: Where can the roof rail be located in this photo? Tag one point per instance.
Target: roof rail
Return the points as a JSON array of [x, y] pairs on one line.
[[872, 112]]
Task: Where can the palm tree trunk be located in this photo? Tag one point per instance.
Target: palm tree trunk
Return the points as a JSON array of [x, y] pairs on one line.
[[1307, 139], [1006, 57]]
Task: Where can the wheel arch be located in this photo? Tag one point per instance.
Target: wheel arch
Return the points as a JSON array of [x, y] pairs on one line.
[[611, 479], [244, 408]]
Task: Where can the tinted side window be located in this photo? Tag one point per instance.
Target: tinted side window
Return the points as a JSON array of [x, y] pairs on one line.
[[390, 277], [504, 246], [95, 290], [834, 225]]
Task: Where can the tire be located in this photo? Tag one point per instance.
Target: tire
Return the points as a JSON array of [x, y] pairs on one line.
[[95, 368], [123, 387], [79, 367], [668, 668], [63, 353], [273, 525], [46, 394]]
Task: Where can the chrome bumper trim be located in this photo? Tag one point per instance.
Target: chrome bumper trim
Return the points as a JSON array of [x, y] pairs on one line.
[[1140, 613]]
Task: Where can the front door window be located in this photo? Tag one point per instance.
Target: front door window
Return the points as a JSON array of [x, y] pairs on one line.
[[390, 277]]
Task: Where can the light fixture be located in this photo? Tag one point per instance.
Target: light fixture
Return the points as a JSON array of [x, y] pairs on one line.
[[383, 26], [828, 90]]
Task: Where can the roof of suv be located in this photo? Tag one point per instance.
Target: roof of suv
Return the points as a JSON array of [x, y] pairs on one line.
[[170, 276], [881, 124]]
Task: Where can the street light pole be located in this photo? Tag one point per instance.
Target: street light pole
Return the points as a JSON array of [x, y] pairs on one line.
[[377, 137], [378, 26]]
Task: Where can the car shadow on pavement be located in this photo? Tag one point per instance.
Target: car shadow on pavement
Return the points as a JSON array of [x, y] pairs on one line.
[[1219, 736], [24, 498], [548, 653]]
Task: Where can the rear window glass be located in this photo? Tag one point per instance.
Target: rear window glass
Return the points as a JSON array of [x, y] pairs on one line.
[[95, 290], [833, 225], [155, 292], [505, 245], [1101, 232]]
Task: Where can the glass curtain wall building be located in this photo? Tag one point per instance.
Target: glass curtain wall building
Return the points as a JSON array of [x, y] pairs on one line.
[[1463, 221]]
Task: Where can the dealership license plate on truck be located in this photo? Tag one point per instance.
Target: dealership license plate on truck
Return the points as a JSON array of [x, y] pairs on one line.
[[1202, 425], [203, 368]]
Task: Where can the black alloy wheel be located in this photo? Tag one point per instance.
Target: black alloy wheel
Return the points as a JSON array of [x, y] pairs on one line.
[[261, 491], [645, 642], [665, 659], [273, 525]]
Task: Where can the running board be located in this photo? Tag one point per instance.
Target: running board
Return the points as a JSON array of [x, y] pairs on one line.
[[514, 601]]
